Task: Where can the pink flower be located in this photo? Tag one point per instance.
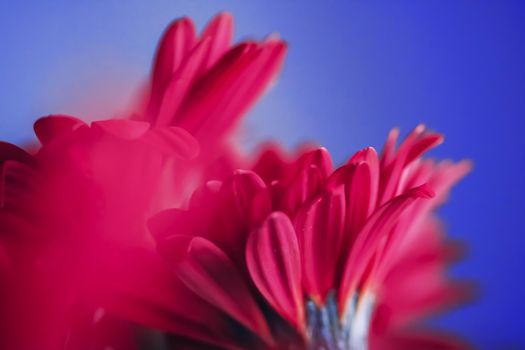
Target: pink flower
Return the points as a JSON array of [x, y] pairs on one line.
[[81, 200], [73, 213], [299, 255], [204, 84]]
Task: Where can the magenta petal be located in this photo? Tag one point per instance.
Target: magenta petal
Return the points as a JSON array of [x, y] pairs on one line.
[[320, 158], [243, 186], [16, 185], [422, 145], [220, 30], [272, 256], [172, 141], [238, 194], [122, 129], [377, 227], [271, 163], [50, 127], [175, 44], [394, 162], [319, 228], [224, 93], [304, 186], [390, 145], [170, 222], [208, 93], [361, 198], [135, 284], [261, 206], [11, 152], [179, 83], [369, 157], [420, 339], [208, 272]]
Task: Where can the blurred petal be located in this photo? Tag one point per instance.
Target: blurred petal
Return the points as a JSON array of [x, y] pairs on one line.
[[272, 256], [209, 273]]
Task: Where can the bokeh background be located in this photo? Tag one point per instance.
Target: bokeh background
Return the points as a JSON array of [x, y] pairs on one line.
[[355, 69]]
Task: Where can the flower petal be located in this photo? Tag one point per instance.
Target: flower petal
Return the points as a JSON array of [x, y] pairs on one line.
[[222, 95], [180, 82], [319, 228], [393, 162], [175, 44], [220, 31], [135, 284], [303, 187], [208, 272], [320, 158], [369, 157], [271, 163], [377, 227], [50, 127], [420, 339], [273, 259], [237, 196], [172, 141], [121, 129]]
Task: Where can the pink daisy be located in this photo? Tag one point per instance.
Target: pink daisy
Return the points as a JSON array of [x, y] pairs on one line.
[[296, 254], [73, 212]]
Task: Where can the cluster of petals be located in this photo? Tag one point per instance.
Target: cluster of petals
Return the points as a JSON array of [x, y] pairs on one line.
[[296, 254], [124, 232], [74, 208]]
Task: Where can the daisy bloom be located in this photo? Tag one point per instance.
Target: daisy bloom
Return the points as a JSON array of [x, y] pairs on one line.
[[73, 211], [294, 254]]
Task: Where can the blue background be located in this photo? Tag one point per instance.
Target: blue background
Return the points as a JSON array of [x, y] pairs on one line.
[[355, 70]]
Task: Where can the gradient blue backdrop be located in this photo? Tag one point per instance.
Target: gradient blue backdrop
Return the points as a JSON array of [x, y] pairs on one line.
[[355, 70]]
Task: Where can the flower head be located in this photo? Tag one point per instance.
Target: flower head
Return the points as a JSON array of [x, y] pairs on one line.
[[203, 83], [73, 212], [303, 255]]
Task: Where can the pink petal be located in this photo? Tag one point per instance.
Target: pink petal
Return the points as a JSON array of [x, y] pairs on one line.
[[390, 145], [421, 297], [17, 186], [392, 165], [170, 222], [319, 158], [175, 44], [446, 175], [172, 141], [208, 92], [235, 212], [319, 228], [179, 83], [9, 151], [135, 284], [232, 85], [362, 189], [243, 186], [272, 256], [209, 273], [377, 227], [121, 129], [261, 207], [370, 158], [271, 163], [50, 127], [423, 145], [361, 197], [220, 31], [304, 186], [420, 339]]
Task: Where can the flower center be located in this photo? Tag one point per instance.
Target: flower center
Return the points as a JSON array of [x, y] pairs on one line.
[[326, 330]]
